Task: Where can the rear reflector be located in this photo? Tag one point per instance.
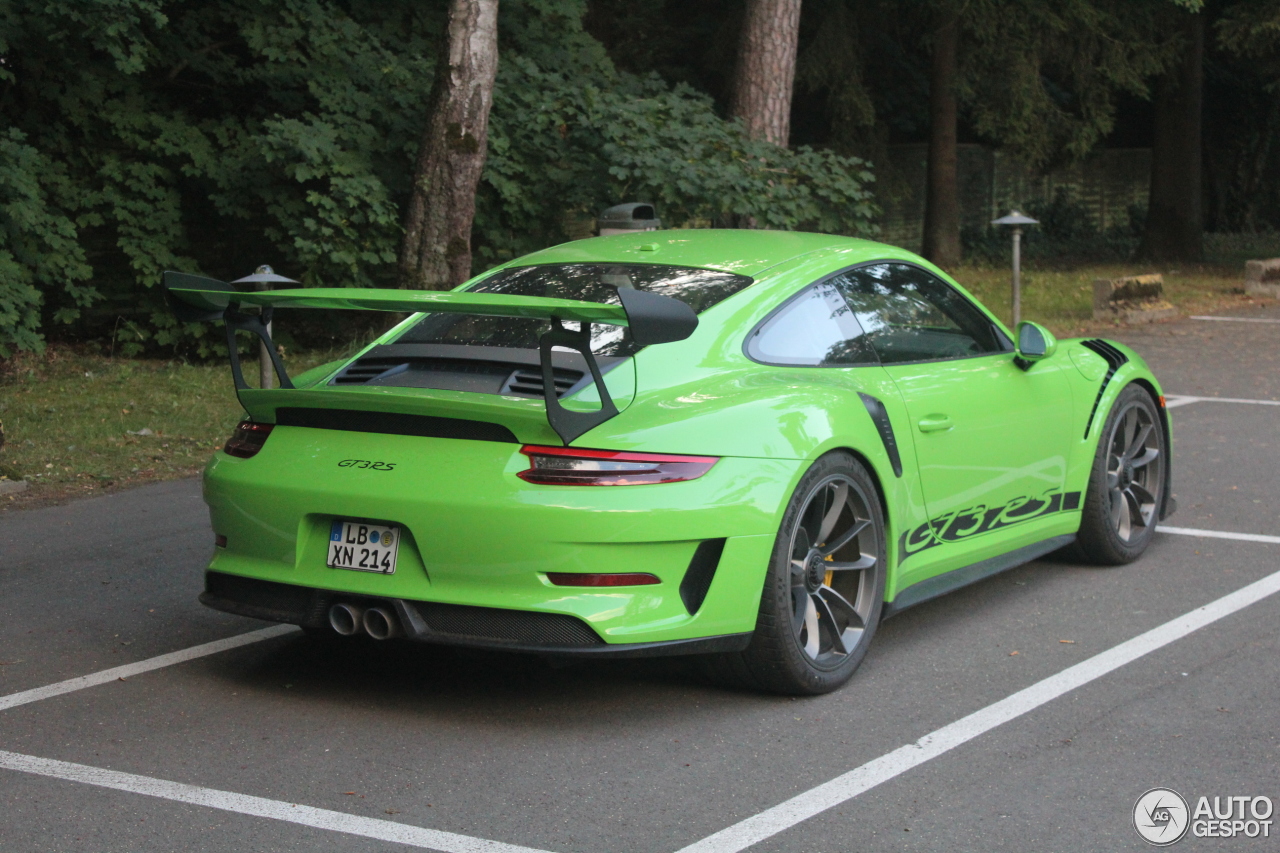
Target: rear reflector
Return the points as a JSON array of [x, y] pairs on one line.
[[247, 439], [571, 466], [576, 579]]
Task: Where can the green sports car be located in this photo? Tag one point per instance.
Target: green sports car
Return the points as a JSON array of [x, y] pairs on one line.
[[750, 446]]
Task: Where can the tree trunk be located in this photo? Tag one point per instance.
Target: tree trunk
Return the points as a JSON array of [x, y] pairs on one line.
[[942, 197], [436, 254], [766, 70], [1175, 225]]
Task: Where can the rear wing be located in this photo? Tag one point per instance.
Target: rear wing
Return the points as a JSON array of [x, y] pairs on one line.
[[652, 318]]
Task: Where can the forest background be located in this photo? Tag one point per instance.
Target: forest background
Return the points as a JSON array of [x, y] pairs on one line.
[[215, 135]]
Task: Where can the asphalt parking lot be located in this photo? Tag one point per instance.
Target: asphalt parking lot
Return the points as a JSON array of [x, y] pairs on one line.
[[1034, 707]]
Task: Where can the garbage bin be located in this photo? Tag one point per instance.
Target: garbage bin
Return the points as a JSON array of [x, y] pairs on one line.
[[627, 218]]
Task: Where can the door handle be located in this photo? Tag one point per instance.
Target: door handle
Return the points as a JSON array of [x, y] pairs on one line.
[[935, 423]]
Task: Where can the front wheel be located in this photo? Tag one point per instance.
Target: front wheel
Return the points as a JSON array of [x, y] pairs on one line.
[[1126, 485], [824, 590]]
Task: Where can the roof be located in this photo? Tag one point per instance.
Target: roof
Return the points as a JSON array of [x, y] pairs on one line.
[[748, 252]]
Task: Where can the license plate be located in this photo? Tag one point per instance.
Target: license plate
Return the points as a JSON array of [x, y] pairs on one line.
[[363, 547]]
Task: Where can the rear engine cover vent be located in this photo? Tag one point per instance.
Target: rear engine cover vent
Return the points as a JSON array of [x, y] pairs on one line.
[[362, 371], [527, 382], [482, 370]]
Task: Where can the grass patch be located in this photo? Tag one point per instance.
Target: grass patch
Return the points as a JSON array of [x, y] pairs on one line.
[[77, 423], [1060, 294], [1063, 299]]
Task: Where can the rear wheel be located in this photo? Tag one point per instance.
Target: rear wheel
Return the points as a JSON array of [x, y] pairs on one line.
[[1126, 485], [825, 587]]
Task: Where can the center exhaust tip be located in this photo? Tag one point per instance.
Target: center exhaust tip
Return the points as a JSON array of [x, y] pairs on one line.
[[381, 624], [346, 619]]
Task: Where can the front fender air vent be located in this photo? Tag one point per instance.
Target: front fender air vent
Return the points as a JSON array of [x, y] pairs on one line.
[[1115, 360]]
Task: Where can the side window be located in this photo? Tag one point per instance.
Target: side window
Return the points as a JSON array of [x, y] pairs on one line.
[[817, 328], [910, 315]]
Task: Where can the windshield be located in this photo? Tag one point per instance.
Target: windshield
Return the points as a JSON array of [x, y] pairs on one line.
[[699, 289]]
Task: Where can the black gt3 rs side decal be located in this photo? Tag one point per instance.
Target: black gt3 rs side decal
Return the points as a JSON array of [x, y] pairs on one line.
[[367, 463], [1115, 359], [880, 417], [974, 521]]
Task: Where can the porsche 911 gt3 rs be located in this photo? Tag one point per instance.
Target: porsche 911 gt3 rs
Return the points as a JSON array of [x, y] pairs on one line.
[[750, 446]]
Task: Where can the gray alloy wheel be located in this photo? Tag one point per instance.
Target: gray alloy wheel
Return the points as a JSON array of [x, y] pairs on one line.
[[824, 590], [833, 548], [1126, 487], [1135, 471]]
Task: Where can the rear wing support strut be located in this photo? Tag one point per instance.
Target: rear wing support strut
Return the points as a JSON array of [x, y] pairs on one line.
[[257, 324], [567, 423]]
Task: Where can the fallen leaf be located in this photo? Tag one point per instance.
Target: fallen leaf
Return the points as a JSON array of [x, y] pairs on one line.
[[1072, 642], [349, 793], [1011, 654]]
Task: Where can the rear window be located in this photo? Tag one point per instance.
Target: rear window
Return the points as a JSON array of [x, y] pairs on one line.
[[697, 288]]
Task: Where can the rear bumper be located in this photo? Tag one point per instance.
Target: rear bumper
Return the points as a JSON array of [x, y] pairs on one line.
[[474, 534], [447, 624]]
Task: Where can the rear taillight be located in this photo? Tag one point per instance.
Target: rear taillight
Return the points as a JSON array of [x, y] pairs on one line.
[[247, 439], [624, 579], [570, 466]]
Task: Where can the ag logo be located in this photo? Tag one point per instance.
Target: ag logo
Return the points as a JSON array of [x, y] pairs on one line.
[[1161, 817]]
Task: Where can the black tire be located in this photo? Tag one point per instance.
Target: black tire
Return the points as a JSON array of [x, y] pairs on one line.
[[824, 590], [1126, 484]]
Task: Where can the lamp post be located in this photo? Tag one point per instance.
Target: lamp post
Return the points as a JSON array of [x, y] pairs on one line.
[[262, 279], [1017, 220]]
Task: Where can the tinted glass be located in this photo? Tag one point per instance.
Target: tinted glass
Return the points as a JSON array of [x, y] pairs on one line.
[[699, 289], [909, 315], [816, 328]]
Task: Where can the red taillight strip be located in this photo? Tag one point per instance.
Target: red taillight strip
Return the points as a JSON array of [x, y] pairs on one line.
[[584, 467], [623, 579], [615, 455]]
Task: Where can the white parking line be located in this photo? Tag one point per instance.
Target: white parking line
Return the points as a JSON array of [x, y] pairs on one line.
[[1173, 401], [383, 830], [1238, 319], [1218, 534], [93, 679], [785, 815]]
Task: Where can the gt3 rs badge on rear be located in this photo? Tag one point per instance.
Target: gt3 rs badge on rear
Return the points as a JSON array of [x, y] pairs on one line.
[[365, 463]]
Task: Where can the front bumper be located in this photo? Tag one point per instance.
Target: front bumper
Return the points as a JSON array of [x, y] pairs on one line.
[[474, 535]]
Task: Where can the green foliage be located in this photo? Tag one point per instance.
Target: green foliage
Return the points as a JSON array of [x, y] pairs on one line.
[[215, 135], [38, 247], [560, 144], [212, 137]]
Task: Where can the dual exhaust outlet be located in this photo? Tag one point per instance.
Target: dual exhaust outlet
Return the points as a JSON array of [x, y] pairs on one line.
[[348, 620]]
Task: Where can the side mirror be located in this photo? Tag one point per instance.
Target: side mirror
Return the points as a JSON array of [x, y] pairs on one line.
[[1034, 343]]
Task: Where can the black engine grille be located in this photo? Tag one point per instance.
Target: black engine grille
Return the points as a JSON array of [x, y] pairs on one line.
[[392, 423], [506, 626]]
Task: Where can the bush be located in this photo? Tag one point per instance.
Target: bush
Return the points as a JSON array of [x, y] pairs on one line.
[[558, 146]]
